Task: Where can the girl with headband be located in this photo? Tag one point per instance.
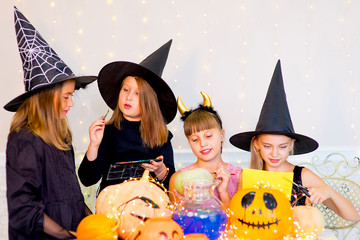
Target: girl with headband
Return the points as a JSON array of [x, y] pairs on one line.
[[204, 131]]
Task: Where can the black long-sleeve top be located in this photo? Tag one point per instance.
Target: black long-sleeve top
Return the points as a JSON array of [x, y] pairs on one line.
[[41, 179], [119, 146]]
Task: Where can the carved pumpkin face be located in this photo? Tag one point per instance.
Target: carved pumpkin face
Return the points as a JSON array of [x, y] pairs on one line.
[[132, 203], [260, 212], [160, 229]]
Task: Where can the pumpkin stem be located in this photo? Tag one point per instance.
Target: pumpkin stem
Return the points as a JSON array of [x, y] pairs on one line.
[[117, 222], [145, 176]]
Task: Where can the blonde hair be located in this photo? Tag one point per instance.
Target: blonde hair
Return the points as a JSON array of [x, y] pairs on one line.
[[153, 127], [256, 161], [200, 120], [40, 113]]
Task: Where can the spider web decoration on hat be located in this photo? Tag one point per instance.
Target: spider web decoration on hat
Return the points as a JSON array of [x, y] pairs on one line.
[[40, 61]]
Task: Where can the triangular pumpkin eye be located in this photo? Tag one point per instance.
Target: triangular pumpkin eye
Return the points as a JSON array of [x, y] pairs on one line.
[[270, 201], [247, 199]]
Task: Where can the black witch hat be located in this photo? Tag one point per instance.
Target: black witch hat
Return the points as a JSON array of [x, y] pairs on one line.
[[150, 69], [275, 119], [42, 66]]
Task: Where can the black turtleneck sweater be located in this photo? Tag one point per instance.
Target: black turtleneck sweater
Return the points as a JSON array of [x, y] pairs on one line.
[[121, 146]]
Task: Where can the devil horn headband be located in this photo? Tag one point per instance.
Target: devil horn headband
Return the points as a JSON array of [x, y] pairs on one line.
[[183, 109], [206, 106]]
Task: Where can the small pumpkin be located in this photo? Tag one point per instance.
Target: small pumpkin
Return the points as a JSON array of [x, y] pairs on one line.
[[196, 236], [308, 220], [261, 212], [97, 227], [132, 203], [160, 228]]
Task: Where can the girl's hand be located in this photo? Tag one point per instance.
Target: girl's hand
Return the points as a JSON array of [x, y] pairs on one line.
[[96, 132], [224, 175], [320, 194], [158, 168]]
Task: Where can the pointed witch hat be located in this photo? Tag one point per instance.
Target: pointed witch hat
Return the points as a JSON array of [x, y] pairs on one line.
[[150, 69], [42, 66], [275, 119]]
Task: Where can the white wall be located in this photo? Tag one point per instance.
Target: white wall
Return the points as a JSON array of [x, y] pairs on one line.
[[227, 48]]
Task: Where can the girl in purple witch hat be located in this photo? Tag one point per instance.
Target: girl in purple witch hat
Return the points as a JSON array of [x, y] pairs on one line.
[[43, 193], [274, 139]]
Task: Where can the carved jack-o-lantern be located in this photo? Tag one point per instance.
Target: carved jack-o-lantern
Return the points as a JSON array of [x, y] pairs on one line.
[[132, 203], [260, 213], [160, 228]]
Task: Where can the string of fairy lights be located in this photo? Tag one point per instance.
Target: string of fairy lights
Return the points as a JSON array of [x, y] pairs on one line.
[[177, 42], [206, 64], [241, 95], [242, 68], [276, 30], [307, 78], [114, 18], [350, 79]]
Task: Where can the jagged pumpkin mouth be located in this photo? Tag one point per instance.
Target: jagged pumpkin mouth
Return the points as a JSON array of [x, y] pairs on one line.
[[259, 225]]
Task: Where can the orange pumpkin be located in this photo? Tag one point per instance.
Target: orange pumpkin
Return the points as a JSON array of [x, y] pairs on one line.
[[160, 228], [196, 236], [132, 203], [260, 212], [308, 220], [97, 227]]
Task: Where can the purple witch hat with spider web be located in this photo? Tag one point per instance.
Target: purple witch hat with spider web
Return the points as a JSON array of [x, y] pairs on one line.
[[42, 66]]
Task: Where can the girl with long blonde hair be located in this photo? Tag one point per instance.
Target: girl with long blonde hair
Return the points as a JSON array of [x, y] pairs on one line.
[[43, 193]]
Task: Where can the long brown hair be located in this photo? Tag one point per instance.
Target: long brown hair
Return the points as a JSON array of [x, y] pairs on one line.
[[40, 113], [153, 127]]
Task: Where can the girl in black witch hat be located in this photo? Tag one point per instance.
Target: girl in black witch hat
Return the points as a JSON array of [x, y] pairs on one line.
[[43, 193], [204, 131], [274, 140], [143, 104]]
